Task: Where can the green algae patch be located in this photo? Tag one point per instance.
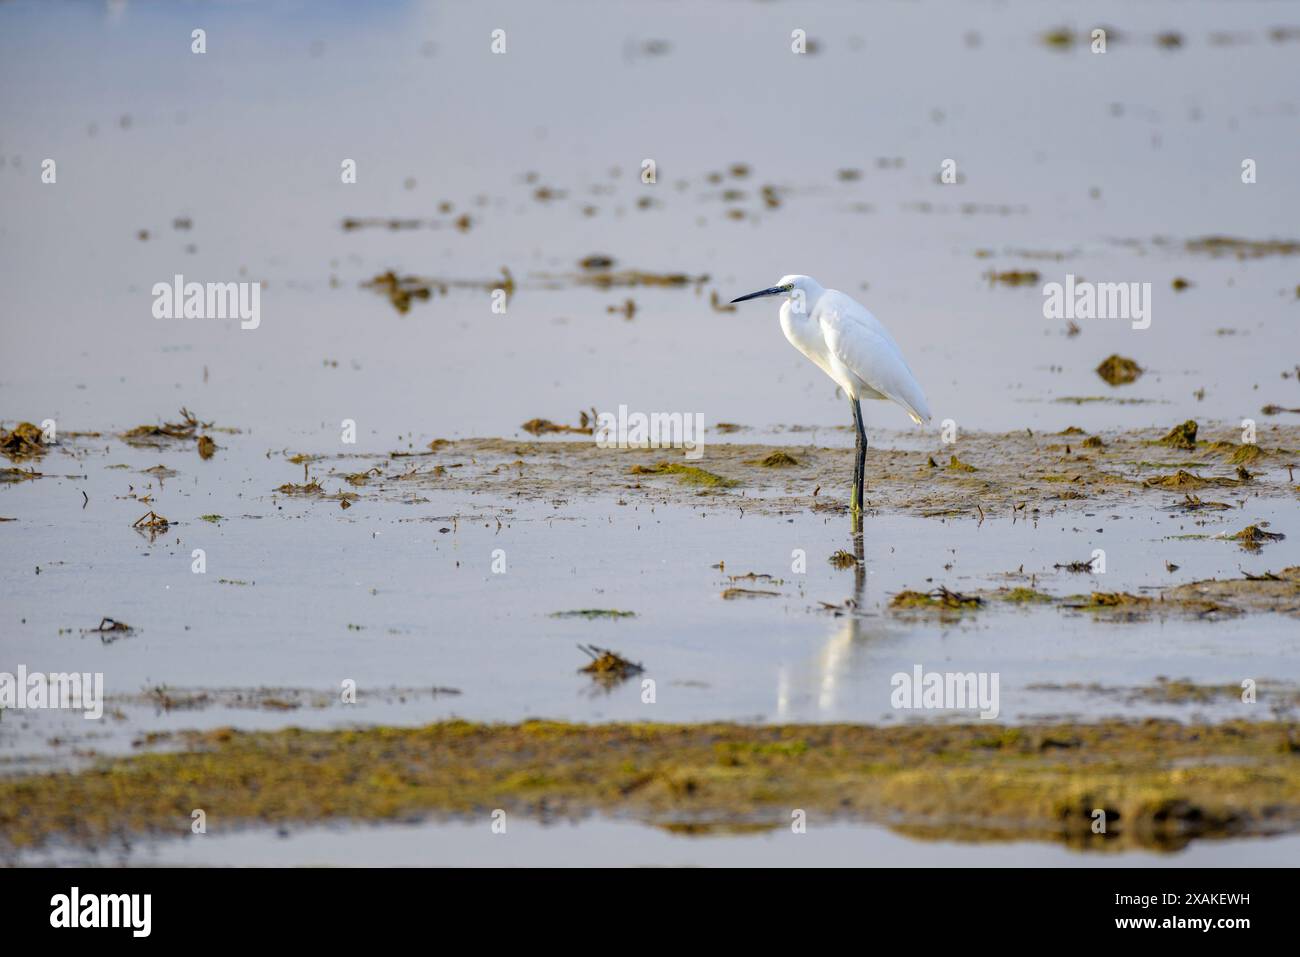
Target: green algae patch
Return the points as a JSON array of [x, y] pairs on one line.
[[687, 474], [1024, 596], [940, 599], [1119, 370], [777, 460], [957, 465], [1163, 783], [1181, 436], [1242, 454]]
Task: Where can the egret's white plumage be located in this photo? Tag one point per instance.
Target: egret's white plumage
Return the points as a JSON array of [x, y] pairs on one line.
[[850, 345], [846, 342]]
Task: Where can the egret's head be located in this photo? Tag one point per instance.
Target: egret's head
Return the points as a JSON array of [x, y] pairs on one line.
[[786, 287]]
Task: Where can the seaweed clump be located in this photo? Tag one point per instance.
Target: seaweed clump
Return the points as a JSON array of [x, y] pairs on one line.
[[843, 559], [19, 475], [25, 442], [1117, 605], [1246, 454], [776, 460], [1119, 370], [156, 435], [1194, 503], [1059, 37], [307, 488], [546, 426], [1243, 248], [1252, 537], [1025, 596], [1183, 480], [1014, 277], [152, 521], [939, 598], [608, 667], [1181, 436], [400, 290], [733, 593], [1115, 599], [594, 613]]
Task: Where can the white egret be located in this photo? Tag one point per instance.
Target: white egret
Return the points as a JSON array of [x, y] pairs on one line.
[[847, 342]]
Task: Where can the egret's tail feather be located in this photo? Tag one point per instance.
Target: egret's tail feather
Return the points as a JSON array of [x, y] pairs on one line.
[[906, 392], [917, 408]]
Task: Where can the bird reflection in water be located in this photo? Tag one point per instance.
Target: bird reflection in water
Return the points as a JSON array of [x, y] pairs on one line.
[[833, 660]]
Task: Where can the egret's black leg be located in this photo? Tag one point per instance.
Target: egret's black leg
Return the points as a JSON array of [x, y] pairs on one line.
[[855, 499], [860, 468]]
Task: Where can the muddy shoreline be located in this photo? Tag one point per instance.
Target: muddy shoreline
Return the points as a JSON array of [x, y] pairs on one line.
[[982, 474], [1021, 474]]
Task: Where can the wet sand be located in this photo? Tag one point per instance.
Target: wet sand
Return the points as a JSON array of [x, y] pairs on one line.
[[981, 474]]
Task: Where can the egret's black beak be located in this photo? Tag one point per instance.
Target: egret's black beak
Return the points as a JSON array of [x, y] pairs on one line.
[[773, 291]]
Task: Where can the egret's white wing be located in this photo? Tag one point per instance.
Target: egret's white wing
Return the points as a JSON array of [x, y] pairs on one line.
[[863, 346]]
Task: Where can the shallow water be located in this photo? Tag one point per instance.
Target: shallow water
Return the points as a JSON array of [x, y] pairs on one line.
[[305, 595], [606, 843], [246, 142]]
